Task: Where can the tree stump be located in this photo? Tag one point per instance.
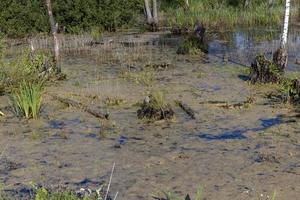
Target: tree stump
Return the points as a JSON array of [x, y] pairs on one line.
[[149, 111], [294, 92], [280, 58], [263, 70]]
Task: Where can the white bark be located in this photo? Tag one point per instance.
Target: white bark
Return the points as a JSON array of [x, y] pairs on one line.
[[148, 12], [54, 34], [187, 4], [155, 17], [285, 25]]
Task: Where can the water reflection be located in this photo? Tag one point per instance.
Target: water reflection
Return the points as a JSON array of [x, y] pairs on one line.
[[243, 45]]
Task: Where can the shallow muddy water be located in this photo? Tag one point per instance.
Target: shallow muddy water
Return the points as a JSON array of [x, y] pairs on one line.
[[239, 153]]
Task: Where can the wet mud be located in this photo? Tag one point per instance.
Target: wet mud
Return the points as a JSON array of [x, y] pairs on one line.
[[240, 153]]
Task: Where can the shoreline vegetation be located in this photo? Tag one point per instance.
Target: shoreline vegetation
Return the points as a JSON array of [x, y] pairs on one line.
[[19, 19]]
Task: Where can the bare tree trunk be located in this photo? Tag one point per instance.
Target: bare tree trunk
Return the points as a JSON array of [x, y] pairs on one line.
[[155, 17], [280, 57], [270, 2], [187, 4], [54, 34], [148, 12], [247, 3]]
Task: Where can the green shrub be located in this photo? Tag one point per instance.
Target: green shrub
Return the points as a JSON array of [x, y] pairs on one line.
[[26, 67], [26, 100], [21, 18]]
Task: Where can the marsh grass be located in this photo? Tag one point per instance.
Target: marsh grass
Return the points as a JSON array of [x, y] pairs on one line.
[[157, 100], [145, 77], [26, 100], [219, 16]]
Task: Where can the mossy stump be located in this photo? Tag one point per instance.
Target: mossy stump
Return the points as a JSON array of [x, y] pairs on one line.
[[194, 41], [263, 70], [294, 92], [152, 109]]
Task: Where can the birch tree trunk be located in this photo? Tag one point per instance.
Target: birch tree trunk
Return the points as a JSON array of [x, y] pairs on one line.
[[54, 34], [283, 43], [247, 3], [148, 12], [270, 2], [280, 57], [187, 4], [155, 17]]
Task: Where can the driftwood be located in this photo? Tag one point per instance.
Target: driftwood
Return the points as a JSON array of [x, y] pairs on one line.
[[91, 110], [227, 105], [186, 109]]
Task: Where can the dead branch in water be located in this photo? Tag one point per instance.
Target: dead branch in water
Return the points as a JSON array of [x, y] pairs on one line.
[[186, 109], [91, 110], [227, 105]]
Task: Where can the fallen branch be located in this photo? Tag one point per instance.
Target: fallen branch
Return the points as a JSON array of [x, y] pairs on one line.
[[227, 105], [186, 109], [91, 110]]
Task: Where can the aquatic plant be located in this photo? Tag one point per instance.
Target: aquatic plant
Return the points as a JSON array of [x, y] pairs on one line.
[[26, 100]]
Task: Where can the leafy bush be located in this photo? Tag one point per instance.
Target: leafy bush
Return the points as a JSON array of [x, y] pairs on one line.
[[20, 18], [26, 67]]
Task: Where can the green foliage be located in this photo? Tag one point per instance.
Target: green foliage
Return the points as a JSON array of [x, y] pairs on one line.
[[20, 18], [43, 194], [26, 67], [225, 14], [192, 45], [26, 100]]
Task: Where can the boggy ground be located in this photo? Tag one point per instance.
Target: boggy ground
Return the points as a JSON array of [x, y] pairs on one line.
[[245, 152]]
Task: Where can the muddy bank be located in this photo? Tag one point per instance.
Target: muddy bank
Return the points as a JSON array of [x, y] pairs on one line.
[[246, 152]]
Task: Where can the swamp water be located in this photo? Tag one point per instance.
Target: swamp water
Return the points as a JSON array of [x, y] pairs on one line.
[[248, 152]]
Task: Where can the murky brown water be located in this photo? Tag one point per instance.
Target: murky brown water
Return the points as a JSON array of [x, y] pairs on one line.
[[242, 153]]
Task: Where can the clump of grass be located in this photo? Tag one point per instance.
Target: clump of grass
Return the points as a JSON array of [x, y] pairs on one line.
[[155, 107], [26, 100], [145, 77], [113, 101]]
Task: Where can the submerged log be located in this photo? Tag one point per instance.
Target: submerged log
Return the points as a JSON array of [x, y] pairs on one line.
[[186, 109], [91, 110], [264, 71]]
